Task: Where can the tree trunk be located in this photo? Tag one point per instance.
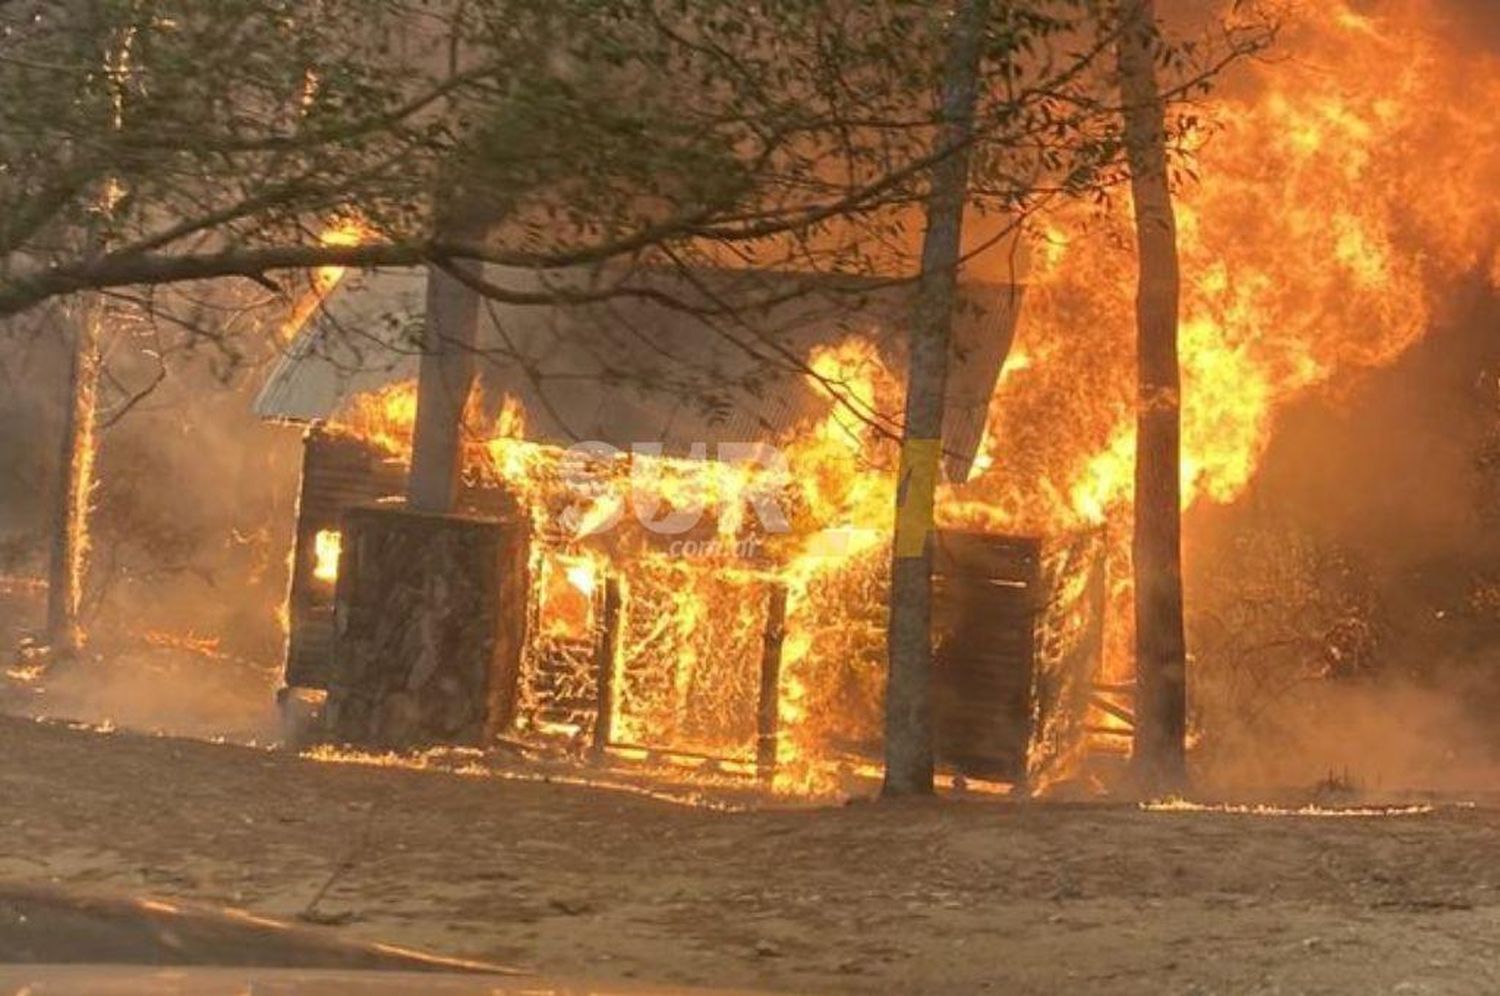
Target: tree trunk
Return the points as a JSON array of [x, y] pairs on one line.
[[443, 385], [908, 696], [68, 558], [75, 483], [1161, 656]]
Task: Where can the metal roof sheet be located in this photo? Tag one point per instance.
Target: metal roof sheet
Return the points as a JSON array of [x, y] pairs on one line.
[[634, 370]]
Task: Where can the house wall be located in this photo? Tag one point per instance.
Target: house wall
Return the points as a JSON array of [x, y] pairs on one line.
[[988, 591], [340, 472]]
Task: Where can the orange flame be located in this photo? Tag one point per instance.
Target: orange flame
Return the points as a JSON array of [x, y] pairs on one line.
[[323, 279], [1311, 246], [1338, 191]]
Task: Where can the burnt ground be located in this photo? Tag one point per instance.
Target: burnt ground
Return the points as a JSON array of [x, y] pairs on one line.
[[939, 897]]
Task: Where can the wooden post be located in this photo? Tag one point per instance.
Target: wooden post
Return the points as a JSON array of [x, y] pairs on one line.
[[604, 666], [443, 386], [767, 718]]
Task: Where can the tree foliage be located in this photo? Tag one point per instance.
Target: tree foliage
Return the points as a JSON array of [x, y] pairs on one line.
[[225, 139]]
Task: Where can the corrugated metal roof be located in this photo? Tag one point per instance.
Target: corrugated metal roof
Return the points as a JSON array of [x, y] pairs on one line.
[[633, 370]]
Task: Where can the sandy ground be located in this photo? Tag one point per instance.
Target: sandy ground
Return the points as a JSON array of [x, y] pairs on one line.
[[940, 897], [492, 861]]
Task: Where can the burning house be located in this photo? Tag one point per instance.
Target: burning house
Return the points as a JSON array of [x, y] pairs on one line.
[[694, 511], [1282, 309]]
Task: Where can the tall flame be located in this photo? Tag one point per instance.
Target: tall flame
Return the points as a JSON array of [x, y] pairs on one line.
[[1336, 190]]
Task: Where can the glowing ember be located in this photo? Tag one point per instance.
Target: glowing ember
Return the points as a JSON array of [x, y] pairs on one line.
[[11, 584], [327, 545], [473, 764], [204, 646], [25, 674]]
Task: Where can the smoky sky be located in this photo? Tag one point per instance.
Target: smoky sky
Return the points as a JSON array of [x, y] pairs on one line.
[[1477, 21]]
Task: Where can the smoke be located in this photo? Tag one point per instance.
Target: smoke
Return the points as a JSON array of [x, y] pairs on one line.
[[1473, 24], [1384, 741], [190, 529], [1343, 612]]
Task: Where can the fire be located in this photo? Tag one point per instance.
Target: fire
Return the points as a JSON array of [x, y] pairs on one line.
[[1336, 192], [386, 418], [323, 279], [327, 545], [566, 595], [1311, 241], [1310, 245], [203, 646], [581, 576], [696, 606], [1304, 812]]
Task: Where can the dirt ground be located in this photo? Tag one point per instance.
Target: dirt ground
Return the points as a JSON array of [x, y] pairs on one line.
[[940, 897]]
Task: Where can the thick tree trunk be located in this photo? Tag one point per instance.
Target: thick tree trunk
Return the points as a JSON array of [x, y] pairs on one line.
[[908, 696], [443, 385], [75, 483], [1161, 656]]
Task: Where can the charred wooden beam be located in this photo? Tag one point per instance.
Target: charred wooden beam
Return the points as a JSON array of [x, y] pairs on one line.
[[767, 718], [1114, 709], [605, 653]]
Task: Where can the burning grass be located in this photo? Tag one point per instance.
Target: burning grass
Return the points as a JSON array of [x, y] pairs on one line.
[[1309, 811]]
